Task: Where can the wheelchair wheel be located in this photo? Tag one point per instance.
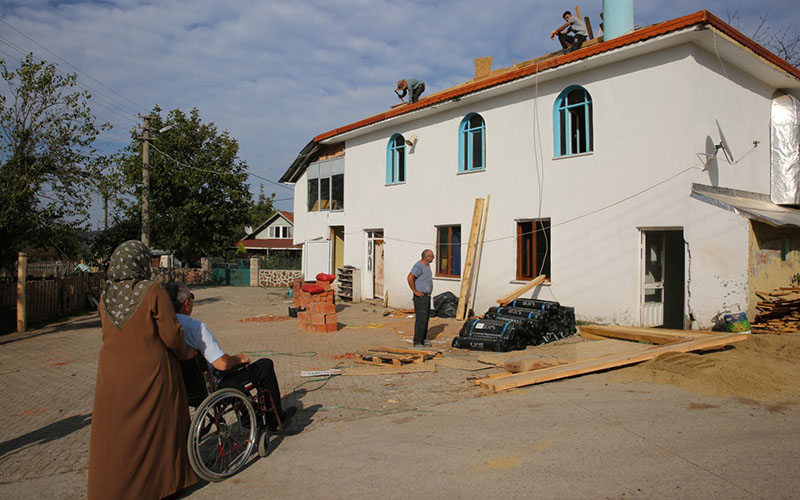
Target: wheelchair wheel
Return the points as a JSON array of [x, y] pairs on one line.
[[223, 435], [263, 443]]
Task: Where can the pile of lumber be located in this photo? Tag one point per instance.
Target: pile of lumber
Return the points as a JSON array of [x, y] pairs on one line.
[[395, 357], [778, 311], [669, 340]]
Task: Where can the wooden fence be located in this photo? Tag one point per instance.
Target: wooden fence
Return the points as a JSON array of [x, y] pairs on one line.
[[52, 298]]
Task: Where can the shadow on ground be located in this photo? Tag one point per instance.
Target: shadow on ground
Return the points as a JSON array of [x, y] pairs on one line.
[[48, 433]]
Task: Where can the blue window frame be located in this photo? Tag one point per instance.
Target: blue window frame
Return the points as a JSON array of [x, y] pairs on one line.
[[572, 122], [396, 160], [471, 143]]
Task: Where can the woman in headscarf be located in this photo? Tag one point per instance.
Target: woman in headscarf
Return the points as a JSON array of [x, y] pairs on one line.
[[140, 420]]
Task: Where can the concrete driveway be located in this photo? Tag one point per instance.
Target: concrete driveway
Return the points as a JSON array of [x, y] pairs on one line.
[[415, 435]]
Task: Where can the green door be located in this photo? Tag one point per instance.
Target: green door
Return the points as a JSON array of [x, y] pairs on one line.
[[240, 273]]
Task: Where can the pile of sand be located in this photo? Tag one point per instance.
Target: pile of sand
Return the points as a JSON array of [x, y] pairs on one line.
[[763, 368]]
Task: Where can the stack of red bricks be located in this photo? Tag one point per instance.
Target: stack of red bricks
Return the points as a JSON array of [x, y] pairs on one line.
[[316, 311]]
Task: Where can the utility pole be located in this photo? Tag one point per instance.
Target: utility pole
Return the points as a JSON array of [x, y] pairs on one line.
[[146, 180]]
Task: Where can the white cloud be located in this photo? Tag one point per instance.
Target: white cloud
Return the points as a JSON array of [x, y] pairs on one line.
[[276, 73]]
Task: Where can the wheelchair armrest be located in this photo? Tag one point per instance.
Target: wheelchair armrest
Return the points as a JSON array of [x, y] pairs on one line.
[[236, 369]]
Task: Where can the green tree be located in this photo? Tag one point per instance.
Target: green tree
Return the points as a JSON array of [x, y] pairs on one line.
[[262, 209], [46, 134], [199, 199]]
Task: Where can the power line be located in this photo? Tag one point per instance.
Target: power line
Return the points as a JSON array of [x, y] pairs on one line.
[[73, 66], [94, 93], [214, 172], [587, 214]]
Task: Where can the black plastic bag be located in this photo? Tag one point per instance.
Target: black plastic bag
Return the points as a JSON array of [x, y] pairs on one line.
[[445, 305]]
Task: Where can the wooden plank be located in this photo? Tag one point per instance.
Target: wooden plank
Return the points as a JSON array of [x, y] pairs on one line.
[[466, 272], [490, 378], [530, 363], [428, 354], [589, 29], [474, 289], [653, 336], [518, 292], [611, 361], [386, 355], [590, 336], [22, 276]]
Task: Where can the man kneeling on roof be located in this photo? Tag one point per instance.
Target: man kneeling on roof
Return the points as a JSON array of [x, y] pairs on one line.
[[199, 336], [574, 25], [416, 87]]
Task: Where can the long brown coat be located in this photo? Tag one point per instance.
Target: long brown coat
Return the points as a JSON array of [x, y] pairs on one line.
[[140, 420]]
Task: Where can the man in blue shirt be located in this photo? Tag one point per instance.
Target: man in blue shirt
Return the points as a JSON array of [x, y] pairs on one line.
[[199, 336], [573, 25], [420, 279]]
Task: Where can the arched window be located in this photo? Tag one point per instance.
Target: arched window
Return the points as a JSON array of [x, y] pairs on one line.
[[396, 160], [572, 122], [471, 143]]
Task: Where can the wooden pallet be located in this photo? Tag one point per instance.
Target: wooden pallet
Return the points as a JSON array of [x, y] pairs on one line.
[[395, 356]]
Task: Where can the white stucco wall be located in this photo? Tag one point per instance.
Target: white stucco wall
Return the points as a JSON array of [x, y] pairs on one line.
[[652, 115]]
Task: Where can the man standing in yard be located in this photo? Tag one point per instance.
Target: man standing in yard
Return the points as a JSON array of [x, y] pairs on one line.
[[420, 279]]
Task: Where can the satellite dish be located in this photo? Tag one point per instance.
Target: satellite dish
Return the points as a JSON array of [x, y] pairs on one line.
[[248, 230], [723, 145]]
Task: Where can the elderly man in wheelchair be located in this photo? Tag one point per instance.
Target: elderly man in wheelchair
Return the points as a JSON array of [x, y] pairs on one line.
[[237, 402]]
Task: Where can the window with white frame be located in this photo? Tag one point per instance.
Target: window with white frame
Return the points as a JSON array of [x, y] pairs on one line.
[[326, 185], [472, 143], [280, 232], [396, 160], [572, 122]]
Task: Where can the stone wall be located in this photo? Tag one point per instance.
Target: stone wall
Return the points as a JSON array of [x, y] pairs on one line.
[[278, 278], [189, 276]]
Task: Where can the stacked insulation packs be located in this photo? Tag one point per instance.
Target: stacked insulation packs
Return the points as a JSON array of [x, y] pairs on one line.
[[523, 322]]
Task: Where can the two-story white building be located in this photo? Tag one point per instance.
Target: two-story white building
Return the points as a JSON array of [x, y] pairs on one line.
[[652, 177]]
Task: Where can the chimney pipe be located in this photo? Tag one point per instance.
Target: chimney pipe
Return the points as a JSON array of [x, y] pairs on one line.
[[617, 18]]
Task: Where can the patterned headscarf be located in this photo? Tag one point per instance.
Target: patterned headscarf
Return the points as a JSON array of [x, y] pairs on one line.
[[128, 281]]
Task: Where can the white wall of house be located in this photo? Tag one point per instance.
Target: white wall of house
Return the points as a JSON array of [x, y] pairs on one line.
[[315, 226], [652, 115]]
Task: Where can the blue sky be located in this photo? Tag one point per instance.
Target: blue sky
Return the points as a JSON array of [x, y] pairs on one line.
[[275, 73]]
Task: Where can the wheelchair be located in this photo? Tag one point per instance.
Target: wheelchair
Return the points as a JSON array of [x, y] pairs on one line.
[[229, 421]]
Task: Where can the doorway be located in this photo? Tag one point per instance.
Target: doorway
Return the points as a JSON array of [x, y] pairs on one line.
[[662, 294], [337, 248], [375, 266]]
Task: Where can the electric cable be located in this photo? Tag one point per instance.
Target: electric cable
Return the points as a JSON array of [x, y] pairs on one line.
[[578, 217], [101, 99], [215, 172], [73, 66], [264, 354]]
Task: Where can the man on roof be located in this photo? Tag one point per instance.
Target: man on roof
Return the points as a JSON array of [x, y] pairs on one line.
[[417, 87], [572, 34]]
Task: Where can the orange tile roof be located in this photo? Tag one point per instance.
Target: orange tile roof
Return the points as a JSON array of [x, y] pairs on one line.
[[701, 17], [289, 215]]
